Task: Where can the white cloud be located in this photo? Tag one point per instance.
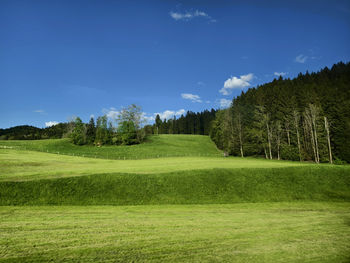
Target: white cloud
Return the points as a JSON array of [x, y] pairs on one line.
[[50, 123], [148, 119], [168, 114], [236, 83], [39, 111], [301, 58], [180, 112], [279, 74], [111, 113], [190, 15], [225, 103], [192, 97], [179, 16]]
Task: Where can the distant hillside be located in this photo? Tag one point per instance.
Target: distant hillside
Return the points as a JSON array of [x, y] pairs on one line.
[[155, 146], [27, 132]]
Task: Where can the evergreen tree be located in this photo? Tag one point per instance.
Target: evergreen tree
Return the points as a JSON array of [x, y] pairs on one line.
[[90, 131], [302, 117]]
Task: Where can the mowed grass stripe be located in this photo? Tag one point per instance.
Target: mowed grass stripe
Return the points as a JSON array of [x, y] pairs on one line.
[[212, 186], [18, 165], [269, 232], [156, 146]]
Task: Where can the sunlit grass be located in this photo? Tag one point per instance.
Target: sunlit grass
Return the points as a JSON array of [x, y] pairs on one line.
[[156, 146], [29, 165], [270, 232]]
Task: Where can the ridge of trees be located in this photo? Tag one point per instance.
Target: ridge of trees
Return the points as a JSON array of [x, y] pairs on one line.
[[306, 118], [27, 132], [192, 123]]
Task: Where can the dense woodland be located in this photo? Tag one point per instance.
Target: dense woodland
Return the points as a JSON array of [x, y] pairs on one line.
[[192, 123], [306, 118]]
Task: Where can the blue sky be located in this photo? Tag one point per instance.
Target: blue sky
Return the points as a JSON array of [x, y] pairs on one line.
[[60, 59]]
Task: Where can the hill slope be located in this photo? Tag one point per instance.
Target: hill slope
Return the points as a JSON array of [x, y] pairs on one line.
[[34, 178], [155, 146], [211, 186], [198, 176]]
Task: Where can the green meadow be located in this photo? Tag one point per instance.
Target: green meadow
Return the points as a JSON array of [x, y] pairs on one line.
[[252, 232], [156, 146], [173, 199]]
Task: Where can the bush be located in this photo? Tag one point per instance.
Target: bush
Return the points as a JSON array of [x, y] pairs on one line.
[[289, 152], [338, 161]]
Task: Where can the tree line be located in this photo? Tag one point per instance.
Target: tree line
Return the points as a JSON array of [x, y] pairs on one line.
[[125, 129], [306, 118], [192, 123]]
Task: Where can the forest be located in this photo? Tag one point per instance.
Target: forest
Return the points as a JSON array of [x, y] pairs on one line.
[[306, 118]]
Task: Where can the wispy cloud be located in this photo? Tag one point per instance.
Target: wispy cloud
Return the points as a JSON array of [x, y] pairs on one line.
[[39, 111], [280, 74], [147, 118], [236, 83], [190, 15], [301, 58], [192, 97], [111, 113], [169, 114], [51, 123], [225, 103]]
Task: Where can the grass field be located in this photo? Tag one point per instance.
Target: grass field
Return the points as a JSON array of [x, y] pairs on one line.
[[156, 146], [192, 206], [269, 232], [30, 165]]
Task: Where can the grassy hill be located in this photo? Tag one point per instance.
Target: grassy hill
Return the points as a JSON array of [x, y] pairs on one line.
[[36, 178], [156, 146], [20, 165], [212, 186], [192, 206]]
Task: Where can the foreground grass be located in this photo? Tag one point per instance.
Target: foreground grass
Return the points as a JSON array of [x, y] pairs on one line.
[[19, 165], [155, 146], [269, 232], [211, 186]]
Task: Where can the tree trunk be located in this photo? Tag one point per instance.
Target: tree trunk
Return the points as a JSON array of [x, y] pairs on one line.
[[269, 138], [315, 138], [313, 144], [240, 134], [296, 120], [314, 113], [265, 153], [232, 129], [287, 130], [326, 126]]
